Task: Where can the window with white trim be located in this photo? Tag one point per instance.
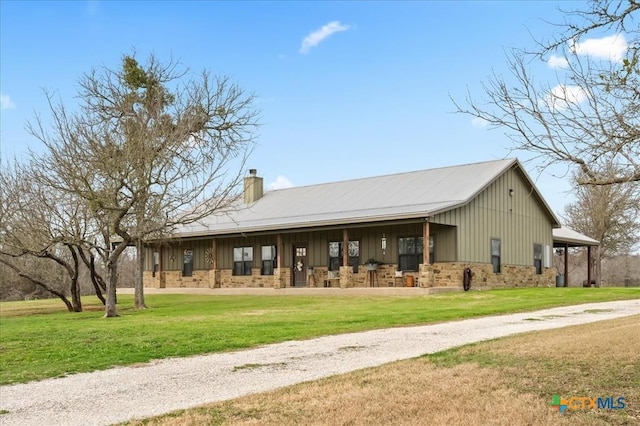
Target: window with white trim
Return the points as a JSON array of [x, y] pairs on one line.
[[537, 258], [187, 263], [495, 255], [242, 260], [268, 260]]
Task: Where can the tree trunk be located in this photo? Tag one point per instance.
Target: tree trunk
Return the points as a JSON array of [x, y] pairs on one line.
[[96, 280], [139, 282], [76, 300], [42, 284], [110, 309]]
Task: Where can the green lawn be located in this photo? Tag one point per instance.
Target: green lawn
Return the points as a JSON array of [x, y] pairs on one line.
[[40, 339]]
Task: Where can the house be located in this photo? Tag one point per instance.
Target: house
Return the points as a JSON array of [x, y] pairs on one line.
[[423, 228]]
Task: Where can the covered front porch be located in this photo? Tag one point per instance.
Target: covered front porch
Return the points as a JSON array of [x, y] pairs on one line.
[[314, 258], [563, 240]]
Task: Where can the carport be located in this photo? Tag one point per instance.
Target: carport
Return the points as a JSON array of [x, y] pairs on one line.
[[564, 238]]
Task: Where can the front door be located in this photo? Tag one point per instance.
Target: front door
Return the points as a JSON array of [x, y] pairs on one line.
[[299, 265]]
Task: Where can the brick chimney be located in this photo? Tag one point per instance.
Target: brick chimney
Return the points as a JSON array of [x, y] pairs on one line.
[[253, 189]]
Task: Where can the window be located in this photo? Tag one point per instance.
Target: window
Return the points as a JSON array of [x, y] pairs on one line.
[[410, 253], [268, 260], [187, 263], [495, 255], [242, 260], [537, 258], [335, 255], [156, 263], [432, 251]]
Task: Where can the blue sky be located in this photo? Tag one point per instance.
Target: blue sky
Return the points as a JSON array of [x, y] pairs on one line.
[[346, 89]]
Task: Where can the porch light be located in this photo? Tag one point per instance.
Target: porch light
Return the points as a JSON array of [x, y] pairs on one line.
[[511, 193], [384, 244]]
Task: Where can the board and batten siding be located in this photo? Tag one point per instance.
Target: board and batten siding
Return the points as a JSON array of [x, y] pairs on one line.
[[172, 255], [317, 243], [519, 221]]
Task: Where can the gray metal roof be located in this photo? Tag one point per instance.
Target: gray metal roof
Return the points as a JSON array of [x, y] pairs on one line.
[[398, 196], [568, 236]]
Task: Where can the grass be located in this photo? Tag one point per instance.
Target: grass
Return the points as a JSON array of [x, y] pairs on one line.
[[40, 339], [501, 382]]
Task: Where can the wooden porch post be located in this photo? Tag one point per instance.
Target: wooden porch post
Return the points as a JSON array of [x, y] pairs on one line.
[[279, 265], [566, 265], [589, 266], [279, 251], [425, 242], [345, 247]]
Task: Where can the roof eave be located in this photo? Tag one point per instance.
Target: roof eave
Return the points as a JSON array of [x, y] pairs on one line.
[[306, 225], [575, 242]]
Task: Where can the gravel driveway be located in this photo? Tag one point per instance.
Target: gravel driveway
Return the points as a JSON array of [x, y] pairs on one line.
[[120, 394]]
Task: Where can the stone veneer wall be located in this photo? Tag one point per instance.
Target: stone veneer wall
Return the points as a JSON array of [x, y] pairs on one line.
[[255, 280], [281, 277], [436, 275], [450, 275], [222, 278], [320, 278], [386, 277], [174, 279], [149, 280]]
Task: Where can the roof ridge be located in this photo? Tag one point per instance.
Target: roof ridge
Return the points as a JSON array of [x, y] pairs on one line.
[[509, 160]]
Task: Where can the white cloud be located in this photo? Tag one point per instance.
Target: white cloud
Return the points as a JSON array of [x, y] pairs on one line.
[[557, 62], [612, 48], [562, 95], [479, 122], [280, 183], [318, 36], [6, 102]]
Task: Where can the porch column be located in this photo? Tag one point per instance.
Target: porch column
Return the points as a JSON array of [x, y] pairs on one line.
[[279, 265], [346, 272], [566, 265], [425, 242], [589, 266], [345, 247]]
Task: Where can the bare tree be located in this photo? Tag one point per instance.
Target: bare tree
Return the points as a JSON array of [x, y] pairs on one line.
[[149, 149], [41, 234], [589, 117], [609, 214]]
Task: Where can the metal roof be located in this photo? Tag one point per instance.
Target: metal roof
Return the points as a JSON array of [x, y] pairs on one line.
[[568, 236], [398, 196]]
